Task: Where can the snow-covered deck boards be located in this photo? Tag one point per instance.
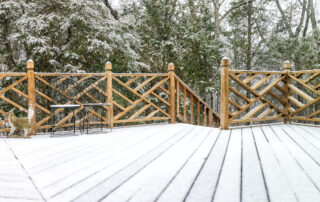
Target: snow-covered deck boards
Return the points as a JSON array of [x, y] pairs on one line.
[[176, 162]]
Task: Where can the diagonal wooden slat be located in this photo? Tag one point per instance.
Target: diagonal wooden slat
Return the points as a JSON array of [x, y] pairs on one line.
[[235, 104], [19, 92], [132, 80], [314, 114], [271, 85], [13, 103], [122, 96], [261, 82], [280, 88], [313, 76], [164, 90], [305, 85], [265, 113], [275, 96], [144, 83], [160, 98], [12, 85], [3, 113], [42, 108], [118, 105], [301, 93], [254, 111], [305, 106], [245, 107], [44, 95], [59, 81], [76, 84], [135, 115], [250, 78], [152, 114], [295, 101], [239, 94]]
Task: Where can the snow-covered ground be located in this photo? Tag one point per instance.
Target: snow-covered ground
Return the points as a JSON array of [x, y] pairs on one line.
[[177, 162]]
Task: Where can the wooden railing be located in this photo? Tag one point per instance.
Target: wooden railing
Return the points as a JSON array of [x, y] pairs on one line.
[[258, 96], [246, 97], [133, 98]]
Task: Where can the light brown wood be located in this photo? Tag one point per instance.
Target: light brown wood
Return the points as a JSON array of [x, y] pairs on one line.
[[185, 105], [32, 95], [261, 81], [295, 101], [254, 111], [171, 93], [198, 113], [142, 120], [191, 110], [305, 85], [210, 118], [277, 117], [108, 67], [178, 98], [287, 94], [13, 85], [141, 98], [234, 71], [144, 83], [224, 103], [205, 121], [301, 93]]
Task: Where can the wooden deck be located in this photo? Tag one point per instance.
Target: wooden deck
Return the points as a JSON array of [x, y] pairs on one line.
[[177, 162]]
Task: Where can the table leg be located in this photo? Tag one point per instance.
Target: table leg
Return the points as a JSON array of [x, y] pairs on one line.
[[74, 123]]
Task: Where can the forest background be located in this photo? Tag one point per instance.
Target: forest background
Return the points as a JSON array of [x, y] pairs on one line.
[[146, 35]]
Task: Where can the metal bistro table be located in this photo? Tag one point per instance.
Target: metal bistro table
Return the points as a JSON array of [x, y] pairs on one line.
[[101, 123], [52, 114]]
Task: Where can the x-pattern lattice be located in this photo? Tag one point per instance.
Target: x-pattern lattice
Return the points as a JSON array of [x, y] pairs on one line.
[[255, 96], [13, 95], [305, 95], [68, 89], [141, 97]]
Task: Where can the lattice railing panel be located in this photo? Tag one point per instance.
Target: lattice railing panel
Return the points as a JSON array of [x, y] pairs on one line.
[[69, 89], [13, 96], [305, 95], [140, 97], [190, 108], [255, 96]]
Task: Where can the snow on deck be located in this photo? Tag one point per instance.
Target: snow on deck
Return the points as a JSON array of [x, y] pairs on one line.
[[177, 162]]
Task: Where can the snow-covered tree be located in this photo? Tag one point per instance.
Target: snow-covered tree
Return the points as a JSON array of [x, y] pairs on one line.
[[67, 35]]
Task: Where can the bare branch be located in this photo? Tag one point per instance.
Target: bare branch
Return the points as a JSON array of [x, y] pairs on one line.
[[284, 18], [113, 12], [303, 12], [235, 7]]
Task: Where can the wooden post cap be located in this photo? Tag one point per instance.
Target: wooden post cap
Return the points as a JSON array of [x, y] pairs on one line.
[[171, 67], [286, 65], [225, 62], [30, 64], [108, 66]]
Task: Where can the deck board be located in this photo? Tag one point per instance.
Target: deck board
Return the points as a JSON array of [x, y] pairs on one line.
[[253, 179], [168, 162], [230, 178], [304, 188]]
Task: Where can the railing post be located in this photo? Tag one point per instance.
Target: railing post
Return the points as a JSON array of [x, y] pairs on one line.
[[286, 68], [32, 96], [108, 67], [224, 103], [171, 93]]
